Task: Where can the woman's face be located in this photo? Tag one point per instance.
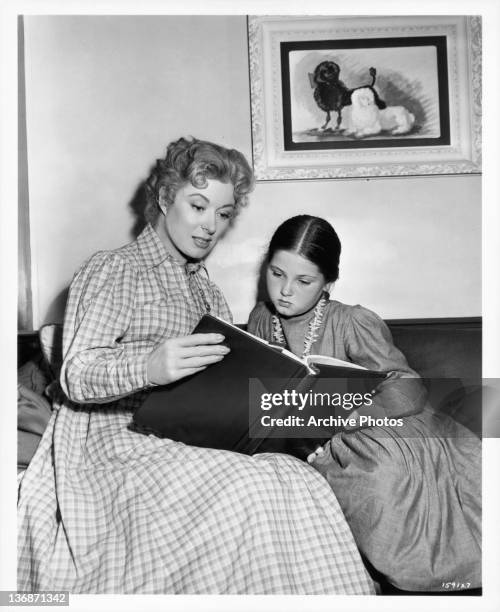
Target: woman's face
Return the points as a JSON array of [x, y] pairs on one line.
[[294, 283], [191, 226]]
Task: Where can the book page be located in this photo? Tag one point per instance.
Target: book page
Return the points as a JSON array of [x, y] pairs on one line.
[[310, 360], [333, 361]]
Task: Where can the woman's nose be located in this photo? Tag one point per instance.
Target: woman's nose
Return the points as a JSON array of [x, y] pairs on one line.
[[208, 224]]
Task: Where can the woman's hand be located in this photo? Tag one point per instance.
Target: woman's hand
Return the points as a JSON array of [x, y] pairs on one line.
[[176, 358]]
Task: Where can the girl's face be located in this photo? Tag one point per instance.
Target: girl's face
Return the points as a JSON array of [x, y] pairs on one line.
[[191, 226], [294, 283]]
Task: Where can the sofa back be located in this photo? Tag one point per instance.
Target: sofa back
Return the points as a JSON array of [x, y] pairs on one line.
[[440, 348], [447, 353]]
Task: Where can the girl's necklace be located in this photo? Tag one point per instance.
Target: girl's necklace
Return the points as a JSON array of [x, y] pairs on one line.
[[312, 328]]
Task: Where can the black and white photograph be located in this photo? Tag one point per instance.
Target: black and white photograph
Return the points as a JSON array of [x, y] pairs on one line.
[[256, 340]]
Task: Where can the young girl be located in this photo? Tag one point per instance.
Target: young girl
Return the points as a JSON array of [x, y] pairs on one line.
[[411, 494]]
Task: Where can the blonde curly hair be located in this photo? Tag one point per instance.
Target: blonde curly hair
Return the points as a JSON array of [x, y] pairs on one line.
[[196, 161]]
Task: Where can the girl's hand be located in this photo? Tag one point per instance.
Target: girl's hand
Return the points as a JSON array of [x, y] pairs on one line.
[[176, 358], [312, 456]]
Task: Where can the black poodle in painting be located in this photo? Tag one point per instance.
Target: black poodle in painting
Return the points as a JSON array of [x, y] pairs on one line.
[[331, 94]]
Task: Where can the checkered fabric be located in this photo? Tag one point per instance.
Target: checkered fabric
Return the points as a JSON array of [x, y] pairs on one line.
[[106, 510]]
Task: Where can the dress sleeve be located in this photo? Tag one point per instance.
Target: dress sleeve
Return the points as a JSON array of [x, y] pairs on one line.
[[98, 365], [369, 344], [259, 322]]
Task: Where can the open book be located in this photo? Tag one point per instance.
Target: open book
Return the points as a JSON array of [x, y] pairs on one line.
[[316, 363], [221, 407]]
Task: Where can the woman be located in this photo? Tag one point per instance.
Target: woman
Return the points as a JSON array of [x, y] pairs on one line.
[[105, 510], [411, 493]]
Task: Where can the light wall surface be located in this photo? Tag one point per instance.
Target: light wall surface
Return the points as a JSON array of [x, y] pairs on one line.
[[104, 95]]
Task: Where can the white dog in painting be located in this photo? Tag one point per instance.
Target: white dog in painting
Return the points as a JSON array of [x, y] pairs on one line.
[[367, 120]]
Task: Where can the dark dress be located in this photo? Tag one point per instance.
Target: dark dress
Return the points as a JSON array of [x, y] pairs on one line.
[[412, 493]]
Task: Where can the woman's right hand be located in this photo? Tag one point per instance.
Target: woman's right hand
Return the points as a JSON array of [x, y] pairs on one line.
[[176, 358]]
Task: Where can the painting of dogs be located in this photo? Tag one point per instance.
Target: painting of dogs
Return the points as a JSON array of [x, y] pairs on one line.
[[323, 99]]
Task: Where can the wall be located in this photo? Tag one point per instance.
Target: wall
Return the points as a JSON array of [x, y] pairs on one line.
[[105, 95]]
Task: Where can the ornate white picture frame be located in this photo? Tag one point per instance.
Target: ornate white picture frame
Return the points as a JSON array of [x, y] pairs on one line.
[[422, 75]]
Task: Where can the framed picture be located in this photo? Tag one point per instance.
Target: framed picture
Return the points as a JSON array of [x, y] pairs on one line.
[[365, 96]]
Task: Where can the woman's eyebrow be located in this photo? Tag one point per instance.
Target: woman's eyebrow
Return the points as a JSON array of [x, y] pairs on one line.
[[200, 195], [190, 195]]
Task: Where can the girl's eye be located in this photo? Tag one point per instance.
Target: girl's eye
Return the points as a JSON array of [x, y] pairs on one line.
[[197, 208], [304, 282], [225, 216], [275, 273]]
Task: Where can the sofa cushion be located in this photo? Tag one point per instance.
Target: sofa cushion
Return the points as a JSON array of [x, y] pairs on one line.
[[50, 336]]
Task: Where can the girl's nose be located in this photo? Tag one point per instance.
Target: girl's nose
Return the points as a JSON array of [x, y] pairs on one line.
[[286, 288]]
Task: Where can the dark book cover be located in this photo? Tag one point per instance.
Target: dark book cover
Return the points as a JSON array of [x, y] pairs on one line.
[[211, 408]]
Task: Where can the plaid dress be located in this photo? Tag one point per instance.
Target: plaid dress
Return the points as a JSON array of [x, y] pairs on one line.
[[105, 510]]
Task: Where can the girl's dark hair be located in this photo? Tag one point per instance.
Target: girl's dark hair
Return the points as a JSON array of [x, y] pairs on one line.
[[195, 161], [313, 238]]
